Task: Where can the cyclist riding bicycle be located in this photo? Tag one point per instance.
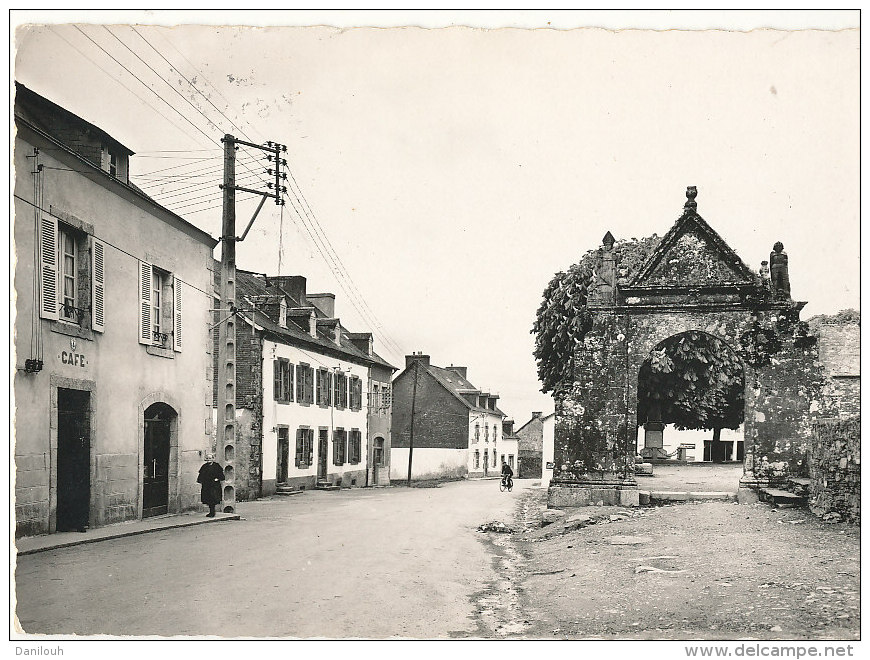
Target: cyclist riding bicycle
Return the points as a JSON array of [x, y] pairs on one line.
[[506, 474]]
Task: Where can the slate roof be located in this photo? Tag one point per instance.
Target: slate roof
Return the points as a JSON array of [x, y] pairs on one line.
[[456, 384], [252, 284]]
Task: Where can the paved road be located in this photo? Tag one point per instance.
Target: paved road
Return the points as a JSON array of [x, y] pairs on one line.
[[358, 563]]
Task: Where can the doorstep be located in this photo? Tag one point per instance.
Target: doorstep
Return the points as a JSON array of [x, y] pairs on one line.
[[30, 544]]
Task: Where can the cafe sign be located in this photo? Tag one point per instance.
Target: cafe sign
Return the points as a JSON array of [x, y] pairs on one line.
[[71, 357]]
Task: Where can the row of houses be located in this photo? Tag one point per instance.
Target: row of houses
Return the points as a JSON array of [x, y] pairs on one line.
[[116, 361]]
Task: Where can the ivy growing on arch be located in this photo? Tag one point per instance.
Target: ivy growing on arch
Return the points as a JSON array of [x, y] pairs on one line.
[[563, 319]]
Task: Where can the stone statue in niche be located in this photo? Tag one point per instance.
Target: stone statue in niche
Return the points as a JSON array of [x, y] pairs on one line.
[[779, 283]]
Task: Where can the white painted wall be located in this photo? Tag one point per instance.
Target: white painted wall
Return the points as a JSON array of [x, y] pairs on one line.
[[428, 463], [673, 438], [295, 415], [508, 448], [484, 443]]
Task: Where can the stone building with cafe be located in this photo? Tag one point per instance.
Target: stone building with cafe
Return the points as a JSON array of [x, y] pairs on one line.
[[691, 282], [111, 385]]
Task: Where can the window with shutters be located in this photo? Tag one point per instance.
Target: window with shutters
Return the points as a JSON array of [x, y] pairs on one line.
[[355, 393], [340, 390], [304, 447], [324, 389], [375, 399], [160, 308], [72, 275], [304, 384], [354, 447], [386, 398], [339, 447], [477, 432], [282, 380], [309, 385], [476, 459]]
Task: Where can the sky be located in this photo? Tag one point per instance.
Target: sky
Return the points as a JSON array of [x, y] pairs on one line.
[[456, 170]]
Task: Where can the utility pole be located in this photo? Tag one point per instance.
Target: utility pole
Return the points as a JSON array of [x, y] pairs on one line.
[[226, 377], [413, 409]]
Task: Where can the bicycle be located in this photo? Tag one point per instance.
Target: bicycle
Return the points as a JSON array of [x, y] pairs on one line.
[[506, 484]]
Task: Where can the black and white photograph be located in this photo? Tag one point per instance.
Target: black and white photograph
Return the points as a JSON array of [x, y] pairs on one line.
[[516, 325]]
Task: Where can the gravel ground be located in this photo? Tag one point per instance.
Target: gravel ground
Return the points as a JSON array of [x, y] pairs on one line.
[[711, 570]]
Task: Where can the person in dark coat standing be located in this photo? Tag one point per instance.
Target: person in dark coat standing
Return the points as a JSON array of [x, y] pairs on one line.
[[211, 475]]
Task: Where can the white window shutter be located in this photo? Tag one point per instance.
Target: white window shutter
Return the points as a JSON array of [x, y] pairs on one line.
[[48, 271], [146, 335], [98, 285], [176, 314]]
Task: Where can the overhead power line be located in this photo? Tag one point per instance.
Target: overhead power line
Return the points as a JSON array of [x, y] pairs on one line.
[[83, 54]]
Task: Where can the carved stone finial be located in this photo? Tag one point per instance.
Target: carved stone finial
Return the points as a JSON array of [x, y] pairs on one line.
[[691, 193], [608, 241]]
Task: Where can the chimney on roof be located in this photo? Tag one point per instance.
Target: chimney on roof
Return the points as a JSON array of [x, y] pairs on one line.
[[537, 415], [462, 372], [325, 302], [416, 357], [293, 286]]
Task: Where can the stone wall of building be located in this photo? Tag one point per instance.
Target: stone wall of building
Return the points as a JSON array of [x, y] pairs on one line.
[[835, 468], [530, 464], [440, 420], [840, 357]]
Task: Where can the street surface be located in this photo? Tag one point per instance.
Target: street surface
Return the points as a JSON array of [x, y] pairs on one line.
[[372, 563], [402, 562], [696, 478]]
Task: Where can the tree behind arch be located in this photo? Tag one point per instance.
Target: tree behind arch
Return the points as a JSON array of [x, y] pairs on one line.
[[694, 381]]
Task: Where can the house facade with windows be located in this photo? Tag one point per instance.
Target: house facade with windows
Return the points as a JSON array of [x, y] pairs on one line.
[[110, 332], [457, 427], [302, 382], [380, 410], [509, 447]]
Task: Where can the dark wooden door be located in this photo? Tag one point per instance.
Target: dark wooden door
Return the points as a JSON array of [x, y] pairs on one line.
[[283, 454], [155, 482], [322, 450], [73, 459]]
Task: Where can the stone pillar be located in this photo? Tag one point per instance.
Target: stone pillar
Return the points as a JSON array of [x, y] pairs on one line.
[[783, 398], [594, 450]]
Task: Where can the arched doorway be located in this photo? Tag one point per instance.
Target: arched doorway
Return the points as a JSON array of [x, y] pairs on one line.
[[690, 388], [160, 422]]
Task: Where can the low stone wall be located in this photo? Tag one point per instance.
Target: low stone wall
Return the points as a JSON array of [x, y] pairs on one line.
[[835, 468]]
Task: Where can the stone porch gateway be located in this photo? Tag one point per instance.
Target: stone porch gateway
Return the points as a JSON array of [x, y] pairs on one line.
[[691, 282]]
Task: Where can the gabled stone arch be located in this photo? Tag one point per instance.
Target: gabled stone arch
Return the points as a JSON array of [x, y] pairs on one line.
[[596, 412]]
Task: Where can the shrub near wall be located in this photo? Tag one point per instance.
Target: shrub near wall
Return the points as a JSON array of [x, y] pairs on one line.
[[835, 468]]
